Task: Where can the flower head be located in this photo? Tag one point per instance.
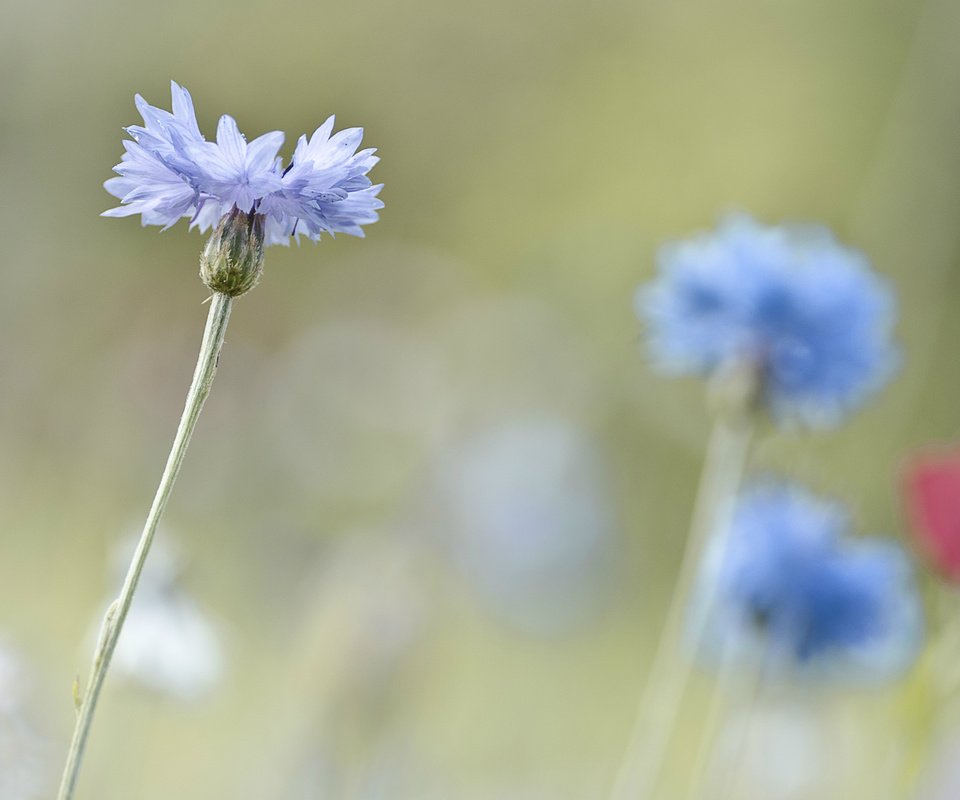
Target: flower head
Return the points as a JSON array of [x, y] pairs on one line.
[[169, 172], [790, 587], [932, 496], [808, 316]]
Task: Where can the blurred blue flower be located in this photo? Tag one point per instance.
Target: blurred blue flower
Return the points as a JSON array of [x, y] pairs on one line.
[[530, 522], [788, 586], [807, 315], [169, 172]]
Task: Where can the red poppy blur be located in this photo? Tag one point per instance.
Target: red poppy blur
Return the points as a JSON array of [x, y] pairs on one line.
[[931, 486]]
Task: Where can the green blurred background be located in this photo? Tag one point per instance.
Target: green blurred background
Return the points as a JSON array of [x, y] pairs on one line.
[[377, 398]]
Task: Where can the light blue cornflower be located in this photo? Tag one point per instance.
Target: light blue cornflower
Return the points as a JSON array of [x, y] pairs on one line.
[[806, 315], [789, 587], [170, 172]]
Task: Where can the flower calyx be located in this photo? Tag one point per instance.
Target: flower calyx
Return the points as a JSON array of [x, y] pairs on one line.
[[232, 260]]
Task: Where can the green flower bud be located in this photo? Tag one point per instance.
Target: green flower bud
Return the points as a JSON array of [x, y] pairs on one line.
[[232, 260]]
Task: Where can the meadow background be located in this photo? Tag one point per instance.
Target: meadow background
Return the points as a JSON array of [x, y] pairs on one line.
[[436, 502]]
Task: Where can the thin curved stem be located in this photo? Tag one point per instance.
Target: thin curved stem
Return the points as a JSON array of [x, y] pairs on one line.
[[117, 612], [669, 675]]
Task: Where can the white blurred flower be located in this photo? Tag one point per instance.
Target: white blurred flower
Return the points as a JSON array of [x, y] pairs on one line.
[[797, 748], [168, 645], [942, 782], [23, 772], [11, 680], [783, 757]]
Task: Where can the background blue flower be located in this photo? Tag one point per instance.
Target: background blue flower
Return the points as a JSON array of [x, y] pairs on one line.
[[789, 588], [169, 172], [526, 516], [809, 315]]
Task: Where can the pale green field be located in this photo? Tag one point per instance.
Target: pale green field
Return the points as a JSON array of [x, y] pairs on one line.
[[535, 154]]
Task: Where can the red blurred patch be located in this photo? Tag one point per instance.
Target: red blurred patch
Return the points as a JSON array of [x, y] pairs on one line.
[[931, 486]]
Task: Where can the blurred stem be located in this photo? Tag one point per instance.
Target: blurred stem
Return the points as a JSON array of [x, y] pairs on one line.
[[116, 614], [728, 676], [725, 788], [669, 675], [945, 647], [927, 706]]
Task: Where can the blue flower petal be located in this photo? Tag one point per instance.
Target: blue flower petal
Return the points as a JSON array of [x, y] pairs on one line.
[[168, 172], [809, 315], [790, 589]]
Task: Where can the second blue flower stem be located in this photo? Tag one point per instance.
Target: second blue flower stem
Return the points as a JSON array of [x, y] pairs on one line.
[[669, 675]]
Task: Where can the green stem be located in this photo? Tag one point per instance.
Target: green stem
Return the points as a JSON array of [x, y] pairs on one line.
[[660, 702], [113, 621]]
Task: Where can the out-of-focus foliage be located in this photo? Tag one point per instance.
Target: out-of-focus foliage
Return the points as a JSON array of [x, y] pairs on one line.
[[535, 155]]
